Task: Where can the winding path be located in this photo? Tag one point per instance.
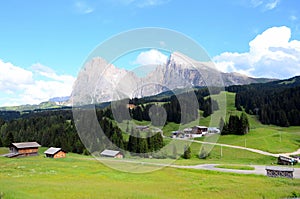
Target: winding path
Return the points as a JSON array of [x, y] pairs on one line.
[[258, 169]]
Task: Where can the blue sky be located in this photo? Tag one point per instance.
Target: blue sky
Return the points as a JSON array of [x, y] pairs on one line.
[[43, 44]]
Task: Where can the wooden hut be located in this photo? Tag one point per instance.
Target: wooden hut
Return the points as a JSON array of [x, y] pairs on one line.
[[22, 149], [53, 152], [111, 154]]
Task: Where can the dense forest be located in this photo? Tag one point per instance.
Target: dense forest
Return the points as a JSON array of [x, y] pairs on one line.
[[275, 103], [182, 108]]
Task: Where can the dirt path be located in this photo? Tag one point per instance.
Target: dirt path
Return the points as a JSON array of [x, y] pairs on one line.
[[292, 153]]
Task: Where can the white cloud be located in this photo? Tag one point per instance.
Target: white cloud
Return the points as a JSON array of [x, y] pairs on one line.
[[271, 54], [19, 86], [83, 8], [264, 5], [151, 57], [256, 3], [13, 77], [293, 18], [272, 4]]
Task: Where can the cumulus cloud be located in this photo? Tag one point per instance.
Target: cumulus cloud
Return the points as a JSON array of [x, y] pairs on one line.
[[151, 57], [20, 86], [13, 77], [271, 54]]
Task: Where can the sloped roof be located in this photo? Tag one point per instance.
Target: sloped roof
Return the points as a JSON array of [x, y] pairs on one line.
[[23, 145], [110, 153], [52, 150], [201, 127], [274, 168]]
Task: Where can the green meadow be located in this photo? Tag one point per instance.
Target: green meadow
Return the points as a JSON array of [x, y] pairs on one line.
[[79, 176], [82, 177]]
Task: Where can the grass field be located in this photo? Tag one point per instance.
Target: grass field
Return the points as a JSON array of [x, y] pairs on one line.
[[268, 138], [79, 177]]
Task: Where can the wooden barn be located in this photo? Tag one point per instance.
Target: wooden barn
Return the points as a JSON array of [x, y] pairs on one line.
[[23, 149], [53, 152], [111, 154]]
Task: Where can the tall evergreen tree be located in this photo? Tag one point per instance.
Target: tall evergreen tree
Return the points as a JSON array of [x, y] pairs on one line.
[[244, 124], [8, 139], [187, 152]]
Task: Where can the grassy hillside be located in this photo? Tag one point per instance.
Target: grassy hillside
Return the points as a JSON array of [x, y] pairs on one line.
[[80, 177], [264, 137]]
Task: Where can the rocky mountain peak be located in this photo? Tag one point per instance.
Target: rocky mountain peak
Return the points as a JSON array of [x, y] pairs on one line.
[[100, 81]]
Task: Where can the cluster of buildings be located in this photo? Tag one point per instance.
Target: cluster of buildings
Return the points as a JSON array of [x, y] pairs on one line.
[[24, 149], [194, 132]]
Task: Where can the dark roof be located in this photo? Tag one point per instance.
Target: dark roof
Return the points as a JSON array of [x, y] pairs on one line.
[[23, 145], [52, 150], [110, 153], [280, 168]]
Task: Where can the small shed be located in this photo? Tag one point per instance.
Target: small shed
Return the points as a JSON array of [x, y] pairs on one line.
[[111, 154], [280, 172], [22, 149], [53, 152]]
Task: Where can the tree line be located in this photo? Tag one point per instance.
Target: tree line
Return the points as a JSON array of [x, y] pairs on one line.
[[277, 105], [182, 108], [236, 125], [57, 128]]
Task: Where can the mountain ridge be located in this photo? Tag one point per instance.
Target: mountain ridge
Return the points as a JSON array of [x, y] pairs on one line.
[[100, 81]]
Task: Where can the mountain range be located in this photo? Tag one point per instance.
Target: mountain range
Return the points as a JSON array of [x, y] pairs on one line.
[[100, 81]]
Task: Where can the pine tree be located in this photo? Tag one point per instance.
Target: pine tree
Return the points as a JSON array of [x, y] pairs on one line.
[[187, 152], [8, 139], [143, 147], [244, 122]]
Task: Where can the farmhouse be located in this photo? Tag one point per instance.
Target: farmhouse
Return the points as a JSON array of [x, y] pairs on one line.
[[199, 130], [53, 152], [111, 154], [23, 149]]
